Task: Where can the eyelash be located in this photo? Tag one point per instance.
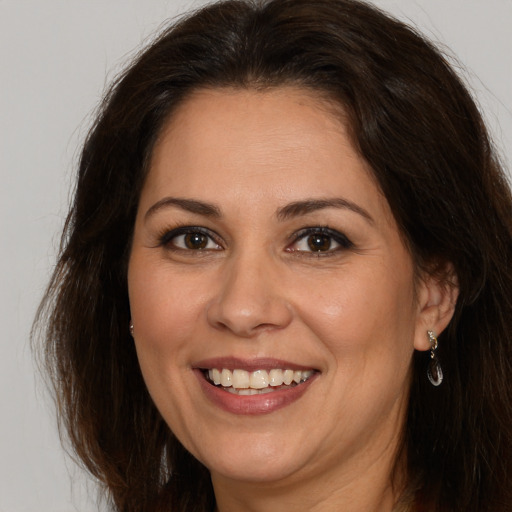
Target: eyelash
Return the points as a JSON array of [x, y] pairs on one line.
[[332, 234], [167, 237]]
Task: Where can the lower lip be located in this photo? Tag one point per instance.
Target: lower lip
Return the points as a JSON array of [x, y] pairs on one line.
[[252, 404]]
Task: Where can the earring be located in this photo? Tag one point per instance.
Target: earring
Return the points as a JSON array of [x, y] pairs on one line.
[[434, 371], [131, 329]]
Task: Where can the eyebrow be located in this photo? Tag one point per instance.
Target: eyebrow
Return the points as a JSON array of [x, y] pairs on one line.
[[298, 208], [189, 205], [295, 209]]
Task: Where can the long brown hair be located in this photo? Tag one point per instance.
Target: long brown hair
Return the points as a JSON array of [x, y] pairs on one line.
[[414, 122]]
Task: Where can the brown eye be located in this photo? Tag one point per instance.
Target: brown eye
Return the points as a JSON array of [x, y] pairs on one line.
[[195, 241], [190, 239], [319, 242]]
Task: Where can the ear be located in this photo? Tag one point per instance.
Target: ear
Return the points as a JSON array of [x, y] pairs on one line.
[[437, 295]]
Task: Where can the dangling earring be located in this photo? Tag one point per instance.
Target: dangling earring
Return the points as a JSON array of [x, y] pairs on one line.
[[434, 371], [131, 329]]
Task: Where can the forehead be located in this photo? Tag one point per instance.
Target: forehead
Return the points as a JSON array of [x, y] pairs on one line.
[[284, 135]]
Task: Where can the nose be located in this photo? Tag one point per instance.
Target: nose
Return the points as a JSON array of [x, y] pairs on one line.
[[250, 299]]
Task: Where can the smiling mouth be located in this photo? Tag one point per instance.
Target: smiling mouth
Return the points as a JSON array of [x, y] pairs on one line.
[[243, 382]]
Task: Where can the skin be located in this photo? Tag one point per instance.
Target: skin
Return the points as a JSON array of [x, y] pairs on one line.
[[355, 312]]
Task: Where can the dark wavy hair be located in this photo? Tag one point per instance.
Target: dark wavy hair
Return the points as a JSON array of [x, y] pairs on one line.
[[412, 119]]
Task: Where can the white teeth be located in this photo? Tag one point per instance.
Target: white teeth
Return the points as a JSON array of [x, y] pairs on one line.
[[243, 382], [240, 379], [275, 377], [307, 374], [225, 378], [247, 392], [259, 379], [288, 377]]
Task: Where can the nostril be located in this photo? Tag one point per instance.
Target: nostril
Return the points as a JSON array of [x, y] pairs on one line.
[[248, 321], [249, 301]]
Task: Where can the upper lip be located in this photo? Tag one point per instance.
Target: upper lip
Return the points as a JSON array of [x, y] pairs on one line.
[[250, 365]]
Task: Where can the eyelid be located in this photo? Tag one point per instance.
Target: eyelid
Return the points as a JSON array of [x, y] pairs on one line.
[[168, 235], [342, 240]]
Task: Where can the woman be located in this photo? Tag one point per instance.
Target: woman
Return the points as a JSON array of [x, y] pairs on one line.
[[284, 280]]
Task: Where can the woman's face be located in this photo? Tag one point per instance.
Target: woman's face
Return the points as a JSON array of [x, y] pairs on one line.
[[264, 251]]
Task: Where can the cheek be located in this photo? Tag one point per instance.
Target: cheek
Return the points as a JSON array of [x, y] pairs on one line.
[[362, 312], [165, 309]]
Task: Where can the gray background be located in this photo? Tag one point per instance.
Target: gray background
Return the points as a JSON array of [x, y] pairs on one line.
[[56, 57]]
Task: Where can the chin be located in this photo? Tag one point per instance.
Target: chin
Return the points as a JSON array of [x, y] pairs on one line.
[[256, 462], [255, 472]]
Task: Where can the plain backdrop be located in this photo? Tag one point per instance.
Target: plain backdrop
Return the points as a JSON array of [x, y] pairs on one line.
[[56, 58]]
